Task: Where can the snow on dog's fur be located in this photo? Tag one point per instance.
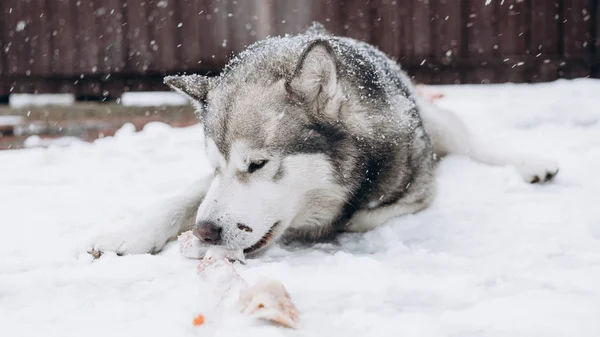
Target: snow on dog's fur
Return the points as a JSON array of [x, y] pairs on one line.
[[310, 135]]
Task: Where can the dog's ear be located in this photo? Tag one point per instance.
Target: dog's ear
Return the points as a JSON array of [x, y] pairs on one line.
[[195, 87], [314, 81]]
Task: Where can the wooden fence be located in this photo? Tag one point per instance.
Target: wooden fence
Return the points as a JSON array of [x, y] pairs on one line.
[[100, 48]]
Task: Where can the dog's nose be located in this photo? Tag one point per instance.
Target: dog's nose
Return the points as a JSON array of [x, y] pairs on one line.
[[208, 232]]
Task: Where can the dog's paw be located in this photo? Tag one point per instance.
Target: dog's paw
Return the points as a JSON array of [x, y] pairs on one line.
[[123, 243], [538, 171]]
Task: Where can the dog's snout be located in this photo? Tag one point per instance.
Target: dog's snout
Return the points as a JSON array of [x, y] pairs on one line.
[[208, 233]]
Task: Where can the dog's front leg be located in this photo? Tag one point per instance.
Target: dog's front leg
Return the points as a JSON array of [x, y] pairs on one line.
[[155, 224]]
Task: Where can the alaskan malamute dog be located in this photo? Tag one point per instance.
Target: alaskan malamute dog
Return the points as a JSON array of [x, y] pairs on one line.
[[309, 135]]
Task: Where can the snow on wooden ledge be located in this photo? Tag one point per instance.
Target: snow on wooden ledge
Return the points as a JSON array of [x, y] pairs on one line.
[[152, 98], [23, 100]]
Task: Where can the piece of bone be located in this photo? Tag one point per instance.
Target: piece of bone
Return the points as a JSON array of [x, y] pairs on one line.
[[191, 247], [269, 300]]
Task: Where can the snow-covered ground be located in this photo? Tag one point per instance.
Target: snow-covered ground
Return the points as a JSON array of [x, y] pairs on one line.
[[493, 256]]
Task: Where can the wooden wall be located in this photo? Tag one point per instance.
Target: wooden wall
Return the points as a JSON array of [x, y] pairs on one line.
[[100, 48]]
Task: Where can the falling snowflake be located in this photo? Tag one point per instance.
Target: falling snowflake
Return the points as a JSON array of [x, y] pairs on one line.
[[21, 25]]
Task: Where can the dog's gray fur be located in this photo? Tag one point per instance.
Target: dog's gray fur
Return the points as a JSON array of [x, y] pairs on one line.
[[341, 105]]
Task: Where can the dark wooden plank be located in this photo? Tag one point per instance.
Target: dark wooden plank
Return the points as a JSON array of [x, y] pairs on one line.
[[88, 48], [513, 43], [3, 45], [88, 87], [189, 29], [205, 34], [17, 49], [329, 15], [544, 28], [447, 24], [545, 40], [32, 84], [356, 19], [41, 47], [596, 22], [138, 39], [40, 37], [388, 27], [577, 39], [482, 37], [87, 42], [263, 24], [293, 17], [20, 85], [112, 87], [242, 18], [63, 22], [215, 32], [596, 55], [163, 28], [146, 83], [421, 41], [577, 27], [64, 86], [28, 48], [112, 49]]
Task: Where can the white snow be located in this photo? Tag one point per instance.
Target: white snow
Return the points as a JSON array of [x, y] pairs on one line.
[[493, 256], [21, 26], [152, 98], [24, 100], [37, 141], [11, 120]]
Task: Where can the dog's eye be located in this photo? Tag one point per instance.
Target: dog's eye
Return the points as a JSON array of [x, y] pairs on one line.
[[256, 165]]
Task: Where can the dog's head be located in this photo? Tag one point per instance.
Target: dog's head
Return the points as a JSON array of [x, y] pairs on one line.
[[272, 138]]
